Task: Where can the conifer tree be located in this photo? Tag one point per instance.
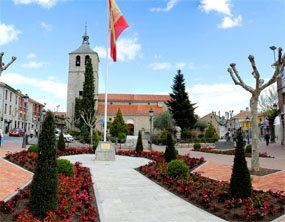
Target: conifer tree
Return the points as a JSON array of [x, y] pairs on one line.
[[211, 134], [179, 105], [44, 190], [170, 149], [61, 142], [240, 184], [118, 125], [139, 146]]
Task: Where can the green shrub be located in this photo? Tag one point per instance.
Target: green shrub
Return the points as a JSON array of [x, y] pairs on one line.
[[95, 139], [33, 148], [81, 140], [139, 145], [73, 133], [176, 152], [155, 140], [169, 153], [240, 183], [65, 167], [177, 169], [248, 148], [197, 146], [61, 142], [163, 137], [122, 137], [186, 134], [201, 135]]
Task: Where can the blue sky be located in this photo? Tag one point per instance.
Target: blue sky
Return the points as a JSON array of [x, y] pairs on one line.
[[202, 37]]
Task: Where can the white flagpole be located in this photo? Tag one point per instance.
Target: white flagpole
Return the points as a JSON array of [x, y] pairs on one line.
[[106, 76]]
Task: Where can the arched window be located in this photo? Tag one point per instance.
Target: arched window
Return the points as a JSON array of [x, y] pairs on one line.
[[86, 59], [77, 63]]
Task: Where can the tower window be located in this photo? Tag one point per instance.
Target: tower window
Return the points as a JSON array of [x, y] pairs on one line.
[[86, 59], [80, 93], [130, 103], [77, 63]]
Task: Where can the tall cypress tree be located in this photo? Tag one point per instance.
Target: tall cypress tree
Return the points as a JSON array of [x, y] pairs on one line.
[[240, 184], [179, 104], [87, 104], [44, 190], [169, 153]]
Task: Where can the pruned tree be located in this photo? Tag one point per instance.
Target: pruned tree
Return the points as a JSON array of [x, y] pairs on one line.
[[89, 119], [164, 121], [255, 92], [2, 64], [268, 105]]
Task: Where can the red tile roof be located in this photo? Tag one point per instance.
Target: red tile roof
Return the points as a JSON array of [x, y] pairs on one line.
[[242, 114], [134, 97], [129, 109]]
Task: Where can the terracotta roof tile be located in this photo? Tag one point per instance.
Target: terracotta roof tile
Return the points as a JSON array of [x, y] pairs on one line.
[[134, 97], [129, 109], [242, 114]]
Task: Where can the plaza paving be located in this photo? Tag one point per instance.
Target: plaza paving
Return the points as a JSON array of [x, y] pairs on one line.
[[123, 194], [134, 197]]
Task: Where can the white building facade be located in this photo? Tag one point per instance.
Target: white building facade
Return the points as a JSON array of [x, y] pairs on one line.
[[13, 110]]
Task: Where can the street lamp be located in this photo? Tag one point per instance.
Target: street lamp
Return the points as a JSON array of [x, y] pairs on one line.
[[26, 100], [150, 134], [273, 48], [247, 119]]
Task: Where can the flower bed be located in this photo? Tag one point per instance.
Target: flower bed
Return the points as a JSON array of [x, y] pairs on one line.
[[227, 152], [76, 195], [214, 197]]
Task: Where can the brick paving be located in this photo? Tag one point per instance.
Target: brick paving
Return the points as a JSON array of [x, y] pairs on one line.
[[275, 181], [11, 178]]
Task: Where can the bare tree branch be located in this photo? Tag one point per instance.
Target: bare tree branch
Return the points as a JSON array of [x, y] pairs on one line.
[[2, 65], [255, 71], [241, 83]]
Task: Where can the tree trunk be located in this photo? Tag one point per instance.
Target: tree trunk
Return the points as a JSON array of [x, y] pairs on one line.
[[91, 134], [254, 125]]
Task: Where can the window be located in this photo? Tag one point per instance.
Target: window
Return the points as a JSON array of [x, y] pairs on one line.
[[130, 103], [111, 103], [10, 96], [77, 63], [5, 108], [16, 100], [80, 93], [148, 103], [86, 59], [110, 119], [10, 110], [6, 96]]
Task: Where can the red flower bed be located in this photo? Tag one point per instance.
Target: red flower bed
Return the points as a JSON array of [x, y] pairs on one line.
[[76, 195], [227, 152], [214, 196]]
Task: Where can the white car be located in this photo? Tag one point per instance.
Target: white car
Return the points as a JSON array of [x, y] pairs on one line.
[[67, 137]]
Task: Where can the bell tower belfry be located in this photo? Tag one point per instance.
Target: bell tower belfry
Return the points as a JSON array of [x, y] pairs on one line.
[[77, 61]]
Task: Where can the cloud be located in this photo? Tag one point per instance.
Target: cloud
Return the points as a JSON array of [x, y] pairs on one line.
[[169, 6], [58, 89], [31, 56], [33, 64], [157, 56], [127, 49], [218, 97], [43, 3], [229, 23], [8, 33], [222, 7], [51, 105], [46, 27], [160, 66], [180, 65]]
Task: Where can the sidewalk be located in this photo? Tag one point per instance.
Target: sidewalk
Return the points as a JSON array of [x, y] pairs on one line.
[[123, 194]]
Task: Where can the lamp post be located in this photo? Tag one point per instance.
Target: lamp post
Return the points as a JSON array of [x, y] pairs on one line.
[[247, 119], [26, 100], [150, 134]]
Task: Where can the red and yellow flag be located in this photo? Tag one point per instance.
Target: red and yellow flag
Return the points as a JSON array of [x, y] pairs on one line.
[[117, 24]]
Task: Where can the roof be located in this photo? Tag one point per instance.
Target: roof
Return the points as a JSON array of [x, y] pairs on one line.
[[209, 114], [243, 113], [134, 97], [83, 48], [129, 109]]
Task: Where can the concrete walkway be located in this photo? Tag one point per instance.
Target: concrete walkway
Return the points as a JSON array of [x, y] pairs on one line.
[[123, 194]]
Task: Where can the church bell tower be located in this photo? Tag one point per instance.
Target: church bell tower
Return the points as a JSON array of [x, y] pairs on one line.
[[77, 61]]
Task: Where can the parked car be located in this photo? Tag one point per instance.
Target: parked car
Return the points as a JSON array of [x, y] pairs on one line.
[[67, 137], [16, 132]]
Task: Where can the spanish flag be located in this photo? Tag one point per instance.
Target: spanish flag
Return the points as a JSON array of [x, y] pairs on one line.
[[117, 24]]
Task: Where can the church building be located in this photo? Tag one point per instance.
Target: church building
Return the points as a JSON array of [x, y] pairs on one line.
[[134, 107]]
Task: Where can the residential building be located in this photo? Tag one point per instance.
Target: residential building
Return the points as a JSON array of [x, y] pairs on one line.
[[12, 110]]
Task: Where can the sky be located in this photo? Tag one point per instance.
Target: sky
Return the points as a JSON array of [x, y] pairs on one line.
[[200, 37]]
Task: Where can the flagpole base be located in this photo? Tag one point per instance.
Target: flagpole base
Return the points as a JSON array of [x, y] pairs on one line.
[[105, 152]]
